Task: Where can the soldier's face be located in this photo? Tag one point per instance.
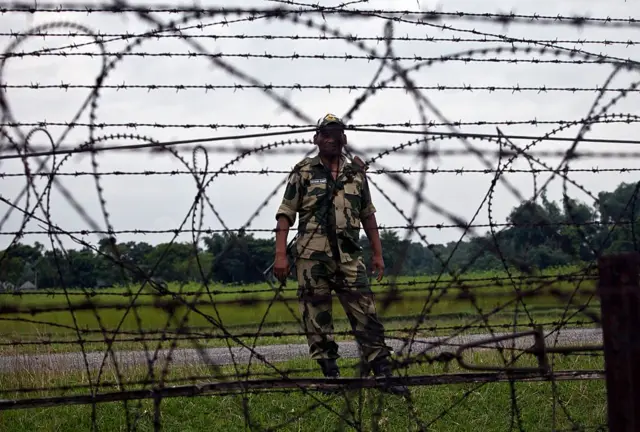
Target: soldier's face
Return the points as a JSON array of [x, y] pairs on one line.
[[330, 140]]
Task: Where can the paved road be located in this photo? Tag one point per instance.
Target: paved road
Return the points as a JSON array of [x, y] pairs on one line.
[[271, 353]]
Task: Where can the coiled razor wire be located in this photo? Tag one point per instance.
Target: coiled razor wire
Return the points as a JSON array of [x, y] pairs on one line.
[[253, 366]]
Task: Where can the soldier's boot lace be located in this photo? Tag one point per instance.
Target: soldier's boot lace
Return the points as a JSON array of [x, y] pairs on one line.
[[329, 370], [382, 368]]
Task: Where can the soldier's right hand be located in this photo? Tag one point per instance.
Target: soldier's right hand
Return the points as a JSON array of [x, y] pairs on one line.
[[281, 268]]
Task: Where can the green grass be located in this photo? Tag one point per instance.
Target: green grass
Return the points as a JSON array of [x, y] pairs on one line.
[[460, 407], [441, 299], [447, 407]]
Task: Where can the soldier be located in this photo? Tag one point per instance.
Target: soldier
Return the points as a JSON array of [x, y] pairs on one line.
[[332, 198]]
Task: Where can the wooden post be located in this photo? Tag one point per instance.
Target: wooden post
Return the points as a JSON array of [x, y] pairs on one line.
[[619, 291]]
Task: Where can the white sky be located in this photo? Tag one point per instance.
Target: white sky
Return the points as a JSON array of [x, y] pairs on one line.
[[162, 202]]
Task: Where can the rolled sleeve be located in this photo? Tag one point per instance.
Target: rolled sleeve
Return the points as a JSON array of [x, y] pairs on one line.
[[367, 203], [291, 200], [285, 210], [367, 211]]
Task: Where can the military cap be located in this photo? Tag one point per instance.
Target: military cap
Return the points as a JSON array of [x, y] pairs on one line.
[[329, 119]]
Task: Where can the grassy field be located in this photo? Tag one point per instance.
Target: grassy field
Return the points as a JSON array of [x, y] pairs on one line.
[[447, 407], [247, 310]]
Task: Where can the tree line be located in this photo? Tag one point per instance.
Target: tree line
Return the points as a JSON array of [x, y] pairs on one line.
[[537, 234]]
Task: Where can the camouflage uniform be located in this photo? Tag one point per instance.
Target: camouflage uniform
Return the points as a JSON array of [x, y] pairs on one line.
[[328, 255]]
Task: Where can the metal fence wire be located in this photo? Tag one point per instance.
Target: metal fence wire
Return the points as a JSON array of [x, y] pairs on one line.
[[144, 151]]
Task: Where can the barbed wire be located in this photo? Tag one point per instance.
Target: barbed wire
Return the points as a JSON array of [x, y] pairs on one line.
[[266, 171], [280, 147], [297, 56], [124, 322], [605, 119], [243, 230], [327, 87], [491, 280], [501, 18], [295, 37]]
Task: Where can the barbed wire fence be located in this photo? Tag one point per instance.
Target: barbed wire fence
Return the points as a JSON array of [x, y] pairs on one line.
[[180, 335]]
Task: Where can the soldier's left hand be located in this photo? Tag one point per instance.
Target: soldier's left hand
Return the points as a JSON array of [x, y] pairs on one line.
[[377, 266]]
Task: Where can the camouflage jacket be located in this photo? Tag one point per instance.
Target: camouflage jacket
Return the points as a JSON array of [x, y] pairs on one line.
[[330, 212]]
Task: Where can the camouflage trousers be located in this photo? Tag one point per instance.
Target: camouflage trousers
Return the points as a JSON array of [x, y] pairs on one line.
[[316, 280]]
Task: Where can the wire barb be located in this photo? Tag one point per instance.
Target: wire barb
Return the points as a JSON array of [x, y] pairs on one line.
[[159, 287]]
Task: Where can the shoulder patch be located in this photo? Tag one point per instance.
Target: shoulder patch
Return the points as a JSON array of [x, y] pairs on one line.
[[359, 168], [357, 160], [359, 164], [302, 163]]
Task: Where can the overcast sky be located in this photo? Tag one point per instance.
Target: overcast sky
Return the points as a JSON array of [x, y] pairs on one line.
[[162, 202]]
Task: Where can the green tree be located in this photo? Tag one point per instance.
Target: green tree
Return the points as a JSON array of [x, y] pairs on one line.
[[543, 233]]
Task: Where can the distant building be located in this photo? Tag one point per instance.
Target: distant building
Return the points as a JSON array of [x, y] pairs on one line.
[[28, 286], [9, 287]]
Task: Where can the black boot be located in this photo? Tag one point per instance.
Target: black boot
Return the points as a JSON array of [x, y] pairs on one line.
[[382, 368], [329, 370]]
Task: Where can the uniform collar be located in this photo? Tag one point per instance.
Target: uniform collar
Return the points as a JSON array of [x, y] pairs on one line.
[[316, 161]]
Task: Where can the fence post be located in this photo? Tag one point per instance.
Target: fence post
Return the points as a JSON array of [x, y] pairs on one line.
[[619, 292]]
